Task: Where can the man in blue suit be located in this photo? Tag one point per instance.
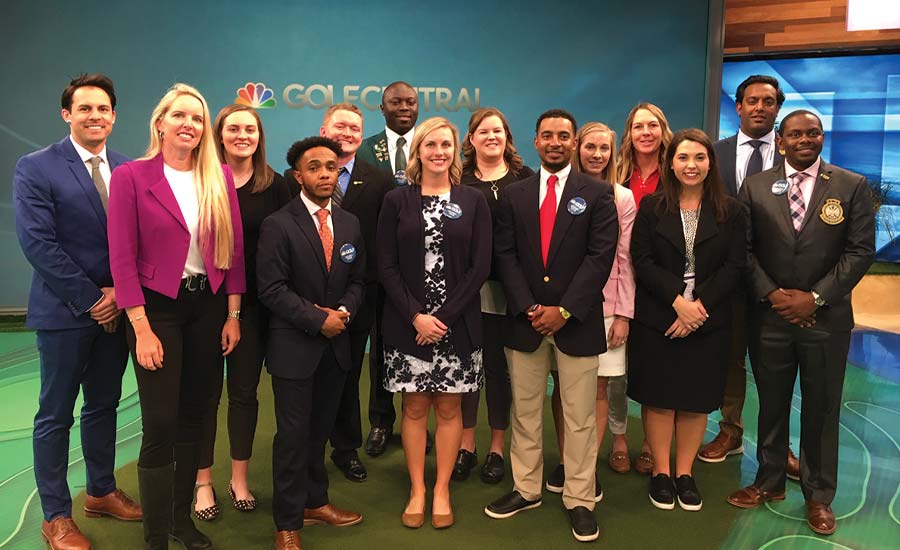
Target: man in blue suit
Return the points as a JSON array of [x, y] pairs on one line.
[[60, 195]]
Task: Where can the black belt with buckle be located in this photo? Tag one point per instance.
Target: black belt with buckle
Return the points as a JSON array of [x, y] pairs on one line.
[[193, 283]]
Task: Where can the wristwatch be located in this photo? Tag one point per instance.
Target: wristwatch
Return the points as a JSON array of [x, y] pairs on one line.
[[565, 313], [819, 300]]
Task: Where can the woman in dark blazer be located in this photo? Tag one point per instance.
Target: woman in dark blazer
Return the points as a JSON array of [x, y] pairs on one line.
[[434, 253], [177, 261], [688, 248]]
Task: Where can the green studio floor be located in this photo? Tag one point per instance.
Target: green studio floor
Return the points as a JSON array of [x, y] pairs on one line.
[[867, 504]]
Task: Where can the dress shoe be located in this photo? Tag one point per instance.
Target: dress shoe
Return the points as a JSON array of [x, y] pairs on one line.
[[330, 515], [793, 467], [752, 496], [662, 492], [241, 504], [643, 464], [584, 524], [413, 521], [493, 469], [63, 534], [377, 441], [619, 462], [116, 504], [210, 512], [820, 518], [465, 461], [721, 447], [442, 521], [353, 469], [287, 540], [509, 505], [557, 479], [687, 494]]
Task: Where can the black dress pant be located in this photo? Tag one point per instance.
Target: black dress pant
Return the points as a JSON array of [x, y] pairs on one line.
[[496, 378], [174, 398], [304, 417], [777, 350], [244, 367]]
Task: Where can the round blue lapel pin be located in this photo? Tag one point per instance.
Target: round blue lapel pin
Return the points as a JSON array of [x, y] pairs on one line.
[[452, 211], [576, 206], [400, 178], [780, 187], [348, 253]]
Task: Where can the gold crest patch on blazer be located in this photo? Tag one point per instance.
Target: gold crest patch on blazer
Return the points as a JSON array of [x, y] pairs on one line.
[[832, 212]]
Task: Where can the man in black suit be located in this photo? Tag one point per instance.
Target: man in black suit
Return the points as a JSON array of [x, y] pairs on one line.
[[311, 273], [812, 240], [554, 242], [360, 190], [757, 101]]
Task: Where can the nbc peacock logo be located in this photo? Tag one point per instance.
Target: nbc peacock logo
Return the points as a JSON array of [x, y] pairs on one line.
[[255, 95]]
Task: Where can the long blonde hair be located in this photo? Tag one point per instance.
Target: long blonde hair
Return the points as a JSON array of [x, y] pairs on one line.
[[610, 173], [626, 150], [414, 168], [209, 179]]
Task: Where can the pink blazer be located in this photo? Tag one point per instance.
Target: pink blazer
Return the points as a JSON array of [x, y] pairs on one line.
[[618, 294], [149, 239]]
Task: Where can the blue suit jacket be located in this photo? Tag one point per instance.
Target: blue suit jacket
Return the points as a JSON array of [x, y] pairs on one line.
[[61, 227]]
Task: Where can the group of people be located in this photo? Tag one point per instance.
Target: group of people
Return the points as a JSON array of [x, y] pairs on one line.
[[644, 267]]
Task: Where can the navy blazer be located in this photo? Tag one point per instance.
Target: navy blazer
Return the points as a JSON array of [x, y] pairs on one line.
[[401, 266], [582, 250], [61, 226], [292, 280]]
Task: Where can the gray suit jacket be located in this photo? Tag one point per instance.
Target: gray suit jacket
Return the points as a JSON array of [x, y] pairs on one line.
[[726, 155], [830, 254]]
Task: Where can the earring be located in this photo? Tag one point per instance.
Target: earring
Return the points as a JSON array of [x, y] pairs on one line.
[[160, 134], [781, 152]]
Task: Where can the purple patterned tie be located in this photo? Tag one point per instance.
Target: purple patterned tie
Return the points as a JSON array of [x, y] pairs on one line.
[[795, 200]]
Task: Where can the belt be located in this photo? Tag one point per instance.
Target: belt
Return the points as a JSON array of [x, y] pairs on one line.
[[193, 283]]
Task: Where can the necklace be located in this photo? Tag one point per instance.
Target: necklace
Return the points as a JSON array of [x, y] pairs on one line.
[[493, 183]]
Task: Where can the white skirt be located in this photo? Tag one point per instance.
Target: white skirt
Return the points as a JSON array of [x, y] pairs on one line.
[[613, 362]]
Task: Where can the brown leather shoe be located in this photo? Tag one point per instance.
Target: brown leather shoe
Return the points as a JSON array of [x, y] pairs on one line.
[[720, 448], [793, 467], [287, 540], [820, 518], [63, 534], [330, 515], [619, 462], [751, 497], [442, 521], [116, 504], [643, 464]]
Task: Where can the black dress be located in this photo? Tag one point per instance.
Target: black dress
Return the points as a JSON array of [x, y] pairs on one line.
[[685, 374]]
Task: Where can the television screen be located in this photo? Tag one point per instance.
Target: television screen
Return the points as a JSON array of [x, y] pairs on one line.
[[858, 99]]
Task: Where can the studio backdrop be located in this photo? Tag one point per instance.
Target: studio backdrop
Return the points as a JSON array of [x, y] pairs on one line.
[[294, 58]]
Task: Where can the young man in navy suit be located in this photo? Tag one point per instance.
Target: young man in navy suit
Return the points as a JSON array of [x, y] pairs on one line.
[[554, 244], [60, 195], [311, 270]]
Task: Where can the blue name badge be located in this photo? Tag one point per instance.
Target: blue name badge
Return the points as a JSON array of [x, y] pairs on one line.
[[400, 178], [780, 187], [577, 206], [452, 211], [348, 253]]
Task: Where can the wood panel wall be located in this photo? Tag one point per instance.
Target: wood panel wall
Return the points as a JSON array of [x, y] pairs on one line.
[[755, 26]]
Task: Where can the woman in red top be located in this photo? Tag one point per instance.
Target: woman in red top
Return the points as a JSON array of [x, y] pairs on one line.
[[643, 147]]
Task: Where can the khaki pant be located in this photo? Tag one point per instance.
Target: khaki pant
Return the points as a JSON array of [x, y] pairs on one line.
[[578, 392]]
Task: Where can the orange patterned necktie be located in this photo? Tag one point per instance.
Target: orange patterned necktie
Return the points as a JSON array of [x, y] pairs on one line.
[[326, 236]]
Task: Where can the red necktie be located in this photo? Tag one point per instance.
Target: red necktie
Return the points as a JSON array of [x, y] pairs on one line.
[[548, 217], [325, 235]]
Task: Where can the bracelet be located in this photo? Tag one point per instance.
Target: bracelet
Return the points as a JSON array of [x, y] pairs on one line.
[[133, 320], [234, 314]]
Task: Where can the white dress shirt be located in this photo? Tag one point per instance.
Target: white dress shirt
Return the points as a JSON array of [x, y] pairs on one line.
[[86, 157], [392, 144], [313, 208], [185, 191], [744, 150], [806, 188], [563, 176]]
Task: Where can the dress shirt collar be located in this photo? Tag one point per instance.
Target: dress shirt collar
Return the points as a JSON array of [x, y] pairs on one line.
[[86, 155], [392, 136], [743, 138], [813, 170], [563, 175], [313, 207]]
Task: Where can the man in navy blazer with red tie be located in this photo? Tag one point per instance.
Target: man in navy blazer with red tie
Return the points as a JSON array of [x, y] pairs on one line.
[[554, 243], [311, 269], [60, 197]]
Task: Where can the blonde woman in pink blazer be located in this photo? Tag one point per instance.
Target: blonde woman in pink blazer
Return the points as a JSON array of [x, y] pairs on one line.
[[596, 157]]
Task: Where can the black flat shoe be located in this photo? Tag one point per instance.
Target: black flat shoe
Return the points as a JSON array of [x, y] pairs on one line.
[[662, 492], [241, 505], [210, 512], [509, 505], [353, 469], [493, 469], [687, 493], [465, 461], [584, 524], [556, 480], [377, 441]]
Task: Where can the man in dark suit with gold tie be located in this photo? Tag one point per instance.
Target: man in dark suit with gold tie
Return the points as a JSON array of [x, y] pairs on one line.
[[812, 240]]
